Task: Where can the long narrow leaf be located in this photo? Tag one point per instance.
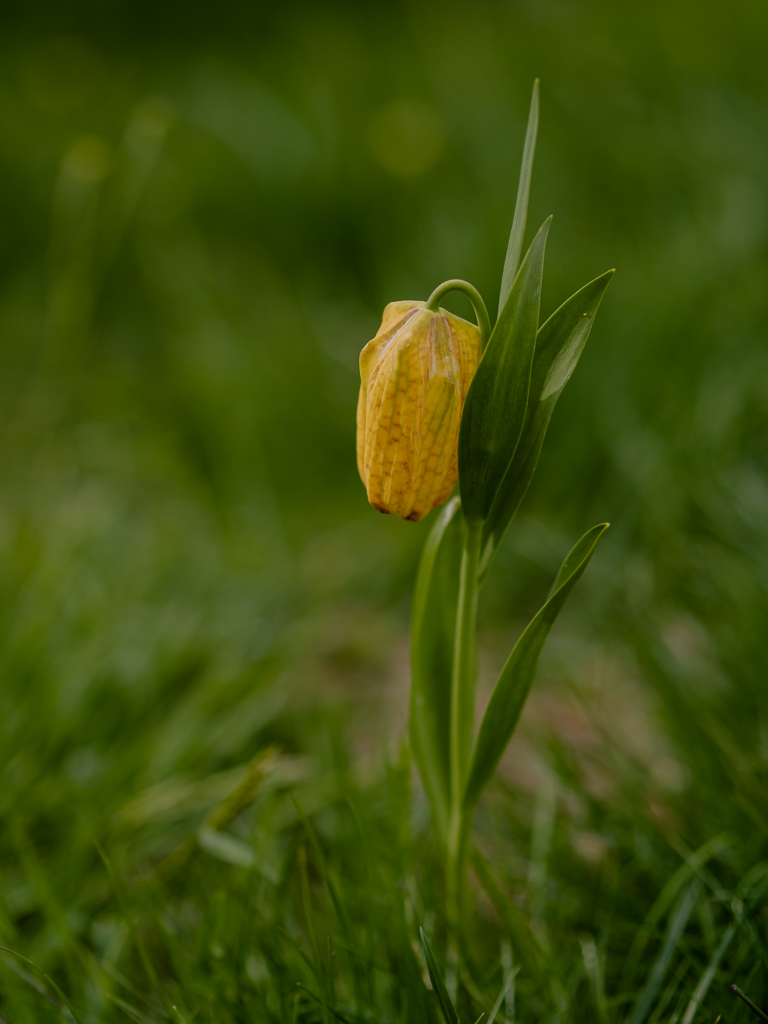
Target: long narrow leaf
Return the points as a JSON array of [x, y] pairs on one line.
[[709, 974], [447, 1007], [149, 967], [432, 631], [494, 413], [675, 929], [323, 867], [60, 1001], [544, 968], [692, 866], [500, 997], [559, 344], [516, 235], [311, 994], [132, 1011], [525, 943], [753, 1006], [514, 683]]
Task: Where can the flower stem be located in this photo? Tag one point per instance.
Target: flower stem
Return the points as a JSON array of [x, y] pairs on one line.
[[463, 679], [474, 296]]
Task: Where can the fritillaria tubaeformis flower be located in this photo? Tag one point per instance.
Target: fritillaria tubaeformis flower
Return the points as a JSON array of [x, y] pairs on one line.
[[414, 375]]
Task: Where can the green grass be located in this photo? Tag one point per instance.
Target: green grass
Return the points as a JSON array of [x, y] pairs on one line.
[[199, 231]]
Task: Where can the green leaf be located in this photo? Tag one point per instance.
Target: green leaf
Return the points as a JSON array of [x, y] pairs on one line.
[[433, 625], [537, 960], [132, 1011], [675, 928], [499, 1000], [514, 683], [447, 1007], [745, 999], [515, 246], [61, 1002], [559, 344], [133, 931], [494, 413], [322, 867], [693, 865], [526, 945]]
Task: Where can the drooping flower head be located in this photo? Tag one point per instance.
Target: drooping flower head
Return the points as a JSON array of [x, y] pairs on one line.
[[414, 376]]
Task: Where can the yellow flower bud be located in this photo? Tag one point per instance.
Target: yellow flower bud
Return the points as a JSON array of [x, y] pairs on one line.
[[414, 376]]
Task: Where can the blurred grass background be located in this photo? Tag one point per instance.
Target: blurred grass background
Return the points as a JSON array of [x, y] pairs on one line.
[[203, 212]]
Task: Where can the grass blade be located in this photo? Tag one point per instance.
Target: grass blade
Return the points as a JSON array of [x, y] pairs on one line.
[[60, 1001], [328, 882], [514, 683], [692, 865], [537, 960], [447, 1007], [675, 929], [134, 1013], [338, 1016], [753, 1006], [315, 946], [141, 948], [516, 235], [525, 942], [594, 970], [500, 999], [495, 410], [304, 957], [706, 979]]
